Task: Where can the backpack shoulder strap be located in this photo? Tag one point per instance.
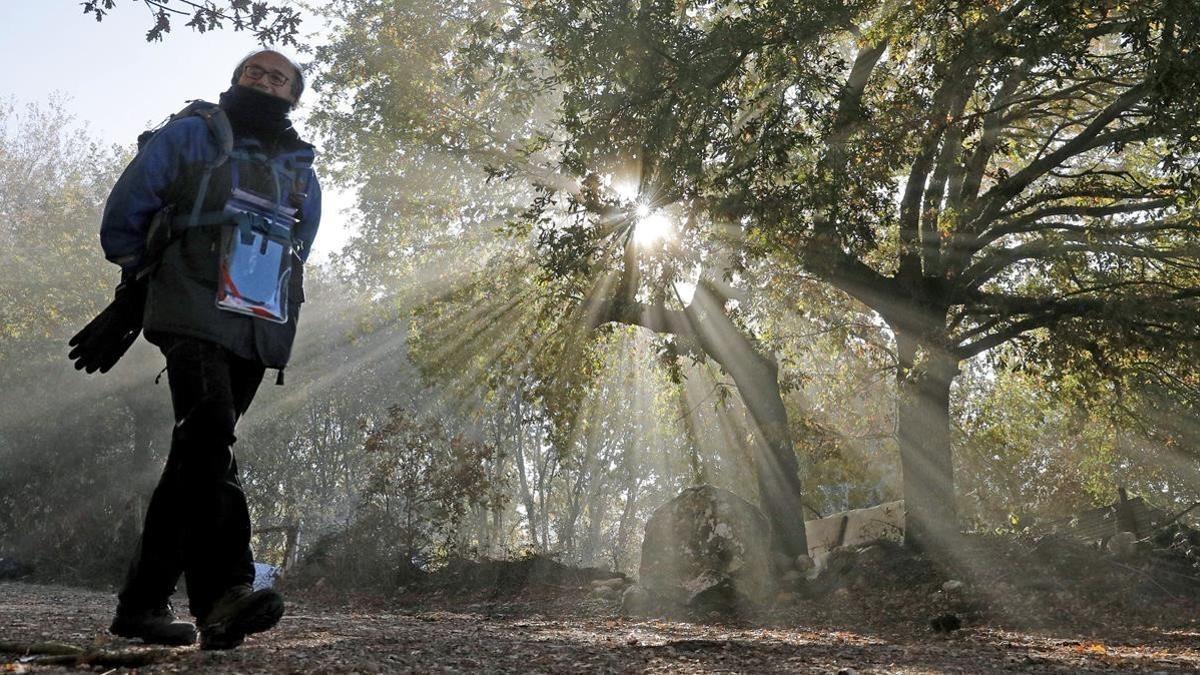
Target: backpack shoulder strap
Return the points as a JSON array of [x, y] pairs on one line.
[[214, 117], [222, 132], [218, 126]]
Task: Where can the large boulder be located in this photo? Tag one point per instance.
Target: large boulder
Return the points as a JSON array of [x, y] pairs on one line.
[[708, 549]]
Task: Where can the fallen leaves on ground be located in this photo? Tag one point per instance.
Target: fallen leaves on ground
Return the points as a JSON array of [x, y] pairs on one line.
[[564, 632]]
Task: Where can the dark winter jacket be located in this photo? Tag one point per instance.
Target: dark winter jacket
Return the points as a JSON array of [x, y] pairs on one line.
[[182, 289]]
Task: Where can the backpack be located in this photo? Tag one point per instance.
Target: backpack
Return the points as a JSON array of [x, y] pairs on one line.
[[255, 259], [162, 225]]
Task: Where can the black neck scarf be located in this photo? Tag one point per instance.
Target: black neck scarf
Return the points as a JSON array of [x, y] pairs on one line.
[[258, 114]]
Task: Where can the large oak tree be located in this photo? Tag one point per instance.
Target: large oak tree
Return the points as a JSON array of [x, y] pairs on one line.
[[972, 173]]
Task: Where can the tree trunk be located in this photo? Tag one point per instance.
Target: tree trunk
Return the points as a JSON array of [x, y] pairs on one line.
[[566, 531], [695, 460], [756, 375], [625, 525], [492, 525], [483, 539], [526, 493], [542, 459], [591, 542], [519, 435], [777, 470], [923, 433], [497, 538]]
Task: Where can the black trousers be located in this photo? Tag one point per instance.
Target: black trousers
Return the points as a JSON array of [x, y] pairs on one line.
[[197, 523]]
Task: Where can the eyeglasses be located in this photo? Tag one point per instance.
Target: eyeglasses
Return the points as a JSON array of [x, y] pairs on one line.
[[274, 77]]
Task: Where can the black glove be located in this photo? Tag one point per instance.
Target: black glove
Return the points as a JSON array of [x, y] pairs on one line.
[[107, 337]]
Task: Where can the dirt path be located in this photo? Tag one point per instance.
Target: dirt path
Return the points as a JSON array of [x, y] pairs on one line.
[[572, 635]]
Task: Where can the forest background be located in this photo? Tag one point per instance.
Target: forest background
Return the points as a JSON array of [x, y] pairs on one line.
[[606, 251]]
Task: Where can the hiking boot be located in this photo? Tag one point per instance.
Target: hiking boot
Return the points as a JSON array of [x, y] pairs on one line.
[[153, 626], [238, 613]]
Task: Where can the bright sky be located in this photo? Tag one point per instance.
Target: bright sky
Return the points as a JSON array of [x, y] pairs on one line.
[[120, 85]]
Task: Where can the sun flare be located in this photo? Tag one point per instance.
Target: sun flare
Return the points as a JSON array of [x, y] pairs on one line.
[[627, 190], [652, 229]]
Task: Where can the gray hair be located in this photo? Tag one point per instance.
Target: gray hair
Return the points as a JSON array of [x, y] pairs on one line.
[[297, 81]]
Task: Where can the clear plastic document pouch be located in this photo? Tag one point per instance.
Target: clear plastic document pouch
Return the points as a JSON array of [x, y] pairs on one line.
[[256, 257]]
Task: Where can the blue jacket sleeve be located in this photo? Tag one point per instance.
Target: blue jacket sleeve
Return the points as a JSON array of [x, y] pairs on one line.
[[141, 190], [310, 216]]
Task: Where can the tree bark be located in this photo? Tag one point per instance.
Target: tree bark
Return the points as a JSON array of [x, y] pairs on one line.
[[923, 433], [527, 500], [498, 539], [596, 507], [625, 525], [777, 470], [523, 479]]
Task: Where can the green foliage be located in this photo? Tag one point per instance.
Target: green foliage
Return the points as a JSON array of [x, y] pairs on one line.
[[419, 483], [53, 182], [972, 173], [69, 508], [271, 22], [67, 499], [1040, 448], [873, 191], [422, 480]]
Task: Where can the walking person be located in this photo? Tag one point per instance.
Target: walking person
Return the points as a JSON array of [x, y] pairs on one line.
[[211, 224]]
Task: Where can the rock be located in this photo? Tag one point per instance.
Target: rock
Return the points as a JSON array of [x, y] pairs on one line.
[[877, 555], [714, 592], [1122, 544], [637, 600], [787, 599], [857, 527], [820, 561], [14, 569], [804, 564], [953, 586], [945, 623], [839, 562], [616, 583], [708, 547], [791, 577]]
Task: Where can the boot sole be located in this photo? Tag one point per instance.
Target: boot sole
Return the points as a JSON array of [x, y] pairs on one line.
[[260, 615], [263, 615], [183, 639]]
